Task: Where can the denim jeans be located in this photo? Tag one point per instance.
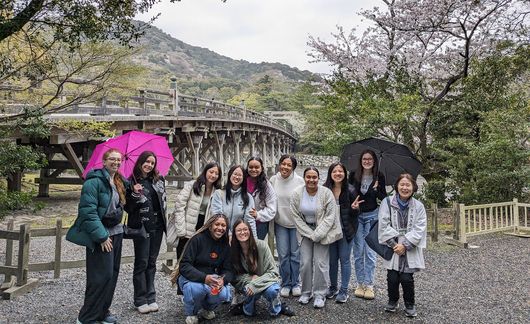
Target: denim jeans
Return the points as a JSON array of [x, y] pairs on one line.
[[340, 250], [314, 267], [288, 255], [271, 294], [197, 296], [145, 254], [365, 257], [262, 229]]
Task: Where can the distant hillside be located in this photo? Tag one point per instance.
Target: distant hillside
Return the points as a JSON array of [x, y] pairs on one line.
[[165, 53]]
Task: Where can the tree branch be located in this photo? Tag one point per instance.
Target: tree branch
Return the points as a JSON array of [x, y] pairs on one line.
[[22, 18]]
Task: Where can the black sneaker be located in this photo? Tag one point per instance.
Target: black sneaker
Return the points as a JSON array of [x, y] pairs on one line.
[[236, 310], [286, 310], [391, 307], [332, 292], [410, 311]]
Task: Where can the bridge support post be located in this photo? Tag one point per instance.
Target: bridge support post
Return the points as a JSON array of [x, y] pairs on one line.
[[264, 139], [194, 142], [252, 137], [237, 140], [220, 139]]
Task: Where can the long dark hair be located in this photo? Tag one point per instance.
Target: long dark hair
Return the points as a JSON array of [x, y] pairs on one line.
[[137, 170], [357, 176], [311, 168], [201, 179], [237, 251], [261, 180], [209, 222], [329, 180], [228, 186]]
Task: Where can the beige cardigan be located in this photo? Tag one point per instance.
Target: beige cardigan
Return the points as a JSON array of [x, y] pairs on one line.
[[328, 228]]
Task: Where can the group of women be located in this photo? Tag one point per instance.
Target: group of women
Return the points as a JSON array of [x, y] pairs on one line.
[[218, 235]]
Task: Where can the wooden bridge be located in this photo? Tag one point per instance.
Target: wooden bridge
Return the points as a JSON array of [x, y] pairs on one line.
[[197, 130]]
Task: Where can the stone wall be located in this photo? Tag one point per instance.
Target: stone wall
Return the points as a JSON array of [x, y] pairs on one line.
[[316, 160]]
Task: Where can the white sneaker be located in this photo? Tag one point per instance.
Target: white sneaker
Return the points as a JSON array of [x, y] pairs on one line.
[[153, 307], [206, 314], [143, 309], [296, 291], [192, 320], [304, 299], [284, 292], [319, 302]]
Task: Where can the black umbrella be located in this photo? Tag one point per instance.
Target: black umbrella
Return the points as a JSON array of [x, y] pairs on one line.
[[394, 158]]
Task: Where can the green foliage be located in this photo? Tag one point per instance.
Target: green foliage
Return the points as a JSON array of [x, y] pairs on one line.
[[90, 128], [10, 201]]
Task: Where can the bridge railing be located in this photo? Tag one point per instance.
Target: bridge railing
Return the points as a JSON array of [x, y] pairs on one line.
[[150, 102]]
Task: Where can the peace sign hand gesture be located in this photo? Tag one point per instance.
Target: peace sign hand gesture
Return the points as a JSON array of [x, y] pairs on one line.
[[356, 203]]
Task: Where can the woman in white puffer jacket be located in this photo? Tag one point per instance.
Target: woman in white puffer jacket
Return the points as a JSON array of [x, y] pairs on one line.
[[192, 206]]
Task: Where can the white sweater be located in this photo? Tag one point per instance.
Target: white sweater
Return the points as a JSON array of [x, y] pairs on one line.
[[284, 188]]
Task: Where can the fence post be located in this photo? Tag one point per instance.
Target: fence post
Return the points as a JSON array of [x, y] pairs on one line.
[[515, 215], [9, 249], [462, 224], [435, 222], [456, 221], [58, 247], [23, 255]]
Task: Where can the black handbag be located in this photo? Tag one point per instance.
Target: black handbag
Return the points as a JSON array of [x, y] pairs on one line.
[[372, 239], [134, 233]]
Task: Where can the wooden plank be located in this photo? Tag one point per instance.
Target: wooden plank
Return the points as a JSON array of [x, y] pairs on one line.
[[43, 266], [23, 255], [9, 251], [8, 270], [73, 158], [44, 232], [19, 290], [58, 248], [9, 235], [70, 181]]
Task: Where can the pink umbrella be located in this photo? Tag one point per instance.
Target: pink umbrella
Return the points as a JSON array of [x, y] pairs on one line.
[[132, 144]]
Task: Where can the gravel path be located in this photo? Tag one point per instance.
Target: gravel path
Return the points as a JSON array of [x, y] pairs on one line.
[[458, 286]]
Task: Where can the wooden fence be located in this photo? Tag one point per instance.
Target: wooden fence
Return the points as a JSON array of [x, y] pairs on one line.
[[12, 288], [489, 218]]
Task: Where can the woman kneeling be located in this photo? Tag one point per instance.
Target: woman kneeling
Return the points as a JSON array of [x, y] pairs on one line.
[[256, 273], [204, 270]]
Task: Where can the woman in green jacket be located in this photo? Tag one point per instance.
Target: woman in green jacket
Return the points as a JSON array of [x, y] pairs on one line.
[[98, 227], [256, 273]]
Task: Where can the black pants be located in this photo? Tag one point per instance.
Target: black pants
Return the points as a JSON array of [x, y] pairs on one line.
[[102, 270], [394, 278], [183, 240], [145, 255]]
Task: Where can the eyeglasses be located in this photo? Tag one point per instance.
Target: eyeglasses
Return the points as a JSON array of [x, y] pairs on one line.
[[242, 230], [112, 159], [368, 159]]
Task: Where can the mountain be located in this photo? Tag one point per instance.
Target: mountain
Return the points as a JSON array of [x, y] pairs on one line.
[[166, 54]]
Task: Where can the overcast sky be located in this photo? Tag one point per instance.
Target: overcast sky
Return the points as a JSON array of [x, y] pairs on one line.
[[258, 30]]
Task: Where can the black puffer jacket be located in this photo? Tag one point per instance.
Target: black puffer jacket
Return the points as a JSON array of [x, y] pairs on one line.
[[348, 216], [140, 207]]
